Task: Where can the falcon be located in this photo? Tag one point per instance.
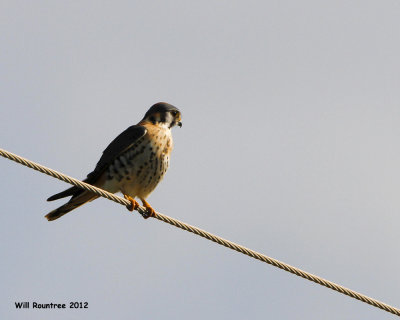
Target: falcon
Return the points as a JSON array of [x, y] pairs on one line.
[[133, 163]]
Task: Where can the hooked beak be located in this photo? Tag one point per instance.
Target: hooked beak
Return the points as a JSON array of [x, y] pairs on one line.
[[179, 124]]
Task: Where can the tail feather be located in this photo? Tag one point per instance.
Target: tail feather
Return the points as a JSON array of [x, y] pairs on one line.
[[75, 202], [75, 191], [66, 193]]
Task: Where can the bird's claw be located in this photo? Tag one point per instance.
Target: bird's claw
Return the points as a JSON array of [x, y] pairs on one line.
[[133, 205], [150, 212]]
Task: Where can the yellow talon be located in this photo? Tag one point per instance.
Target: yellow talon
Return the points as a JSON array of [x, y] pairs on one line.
[[150, 211], [133, 205]]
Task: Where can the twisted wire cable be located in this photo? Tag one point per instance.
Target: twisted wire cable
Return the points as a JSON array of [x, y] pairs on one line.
[[204, 234]]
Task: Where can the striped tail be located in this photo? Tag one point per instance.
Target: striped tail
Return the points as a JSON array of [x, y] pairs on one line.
[[75, 202]]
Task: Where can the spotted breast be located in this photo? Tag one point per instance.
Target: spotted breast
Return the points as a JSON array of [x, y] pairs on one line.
[[139, 169]]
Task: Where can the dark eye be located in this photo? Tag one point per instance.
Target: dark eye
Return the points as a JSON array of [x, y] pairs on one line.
[[174, 113]]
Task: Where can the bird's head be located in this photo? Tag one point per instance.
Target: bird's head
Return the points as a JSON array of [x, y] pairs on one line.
[[163, 113]]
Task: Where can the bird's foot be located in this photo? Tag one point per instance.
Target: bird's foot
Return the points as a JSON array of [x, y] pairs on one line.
[[133, 205], [150, 211]]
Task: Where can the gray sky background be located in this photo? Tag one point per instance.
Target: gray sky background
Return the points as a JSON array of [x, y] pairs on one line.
[[289, 146]]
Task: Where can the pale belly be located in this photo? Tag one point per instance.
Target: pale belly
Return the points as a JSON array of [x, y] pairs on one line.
[[138, 171]]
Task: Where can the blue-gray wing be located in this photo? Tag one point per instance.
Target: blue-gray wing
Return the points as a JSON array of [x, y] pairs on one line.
[[118, 146]]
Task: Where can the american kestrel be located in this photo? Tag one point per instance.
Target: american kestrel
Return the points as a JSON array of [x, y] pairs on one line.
[[133, 163]]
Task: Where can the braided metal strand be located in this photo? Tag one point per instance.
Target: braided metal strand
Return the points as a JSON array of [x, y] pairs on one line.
[[277, 263], [65, 178], [205, 234]]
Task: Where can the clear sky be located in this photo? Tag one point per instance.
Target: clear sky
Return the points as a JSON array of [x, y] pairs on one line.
[[289, 146]]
